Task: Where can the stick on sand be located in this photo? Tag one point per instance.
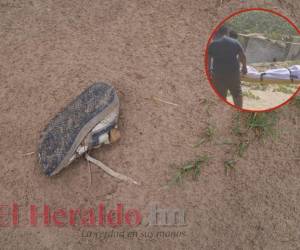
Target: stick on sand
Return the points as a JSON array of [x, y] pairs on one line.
[[161, 100], [27, 154]]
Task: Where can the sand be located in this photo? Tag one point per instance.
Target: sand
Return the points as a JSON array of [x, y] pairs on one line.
[[265, 99], [50, 51]]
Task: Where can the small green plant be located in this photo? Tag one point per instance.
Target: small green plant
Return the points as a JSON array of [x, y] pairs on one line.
[[296, 101], [229, 165], [226, 142], [207, 136], [261, 123], [208, 103], [242, 147], [237, 128], [193, 167], [259, 86], [284, 89], [250, 95]]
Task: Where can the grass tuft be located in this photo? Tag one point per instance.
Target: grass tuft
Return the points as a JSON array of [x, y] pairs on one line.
[[229, 166], [296, 101], [242, 147], [262, 123], [250, 95], [284, 89], [193, 167], [207, 136]]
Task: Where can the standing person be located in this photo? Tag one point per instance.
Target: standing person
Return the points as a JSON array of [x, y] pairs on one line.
[[233, 34], [223, 54]]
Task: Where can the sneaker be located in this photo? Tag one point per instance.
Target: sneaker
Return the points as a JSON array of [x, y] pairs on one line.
[[89, 121]]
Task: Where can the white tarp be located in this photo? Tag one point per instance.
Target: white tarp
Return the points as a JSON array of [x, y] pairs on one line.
[[280, 73]]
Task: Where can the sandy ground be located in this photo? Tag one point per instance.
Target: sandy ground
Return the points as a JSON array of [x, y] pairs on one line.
[[258, 99], [51, 50]]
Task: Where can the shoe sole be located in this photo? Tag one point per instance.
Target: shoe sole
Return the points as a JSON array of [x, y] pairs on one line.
[[65, 132]]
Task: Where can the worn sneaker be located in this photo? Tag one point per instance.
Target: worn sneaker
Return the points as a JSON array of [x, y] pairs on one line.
[[89, 121]]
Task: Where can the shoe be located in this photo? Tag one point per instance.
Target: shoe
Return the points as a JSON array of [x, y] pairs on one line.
[[89, 121]]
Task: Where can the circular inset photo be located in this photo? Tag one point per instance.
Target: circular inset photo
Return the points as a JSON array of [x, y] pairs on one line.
[[253, 60]]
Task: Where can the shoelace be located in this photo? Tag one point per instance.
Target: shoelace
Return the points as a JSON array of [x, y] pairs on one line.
[[109, 170]]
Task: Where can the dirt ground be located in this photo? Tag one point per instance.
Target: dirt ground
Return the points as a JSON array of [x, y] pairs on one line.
[[50, 51], [258, 99]]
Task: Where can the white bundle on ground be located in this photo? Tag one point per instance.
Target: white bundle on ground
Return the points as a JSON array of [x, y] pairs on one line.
[[292, 72]]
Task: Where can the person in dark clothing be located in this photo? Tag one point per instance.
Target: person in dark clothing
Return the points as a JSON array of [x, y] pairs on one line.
[[224, 57], [233, 34]]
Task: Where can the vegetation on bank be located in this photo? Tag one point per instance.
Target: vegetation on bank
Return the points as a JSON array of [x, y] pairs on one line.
[[268, 24]]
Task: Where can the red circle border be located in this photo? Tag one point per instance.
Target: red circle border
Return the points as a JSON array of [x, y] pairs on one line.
[[206, 57]]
